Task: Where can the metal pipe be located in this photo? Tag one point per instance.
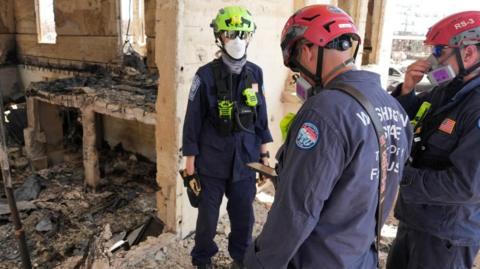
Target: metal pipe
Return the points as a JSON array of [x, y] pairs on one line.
[[7, 182], [19, 232]]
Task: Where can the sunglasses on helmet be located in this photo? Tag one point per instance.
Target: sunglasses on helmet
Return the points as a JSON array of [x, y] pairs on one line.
[[437, 50], [232, 34]]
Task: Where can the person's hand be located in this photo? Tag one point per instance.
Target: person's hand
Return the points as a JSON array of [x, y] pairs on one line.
[[190, 165], [414, 75], [261, 178], [265, 161]]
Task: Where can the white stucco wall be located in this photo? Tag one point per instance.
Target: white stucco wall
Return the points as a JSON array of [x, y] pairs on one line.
[[197, 48]]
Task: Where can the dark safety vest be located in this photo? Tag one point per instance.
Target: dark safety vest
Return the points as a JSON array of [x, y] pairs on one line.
[[233, 115]]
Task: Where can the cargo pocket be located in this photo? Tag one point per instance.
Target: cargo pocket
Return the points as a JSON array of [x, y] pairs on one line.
[[442, 143]]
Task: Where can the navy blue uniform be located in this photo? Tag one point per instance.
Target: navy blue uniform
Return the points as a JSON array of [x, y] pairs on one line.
[[324, 211], [220, 160], [440, 191]]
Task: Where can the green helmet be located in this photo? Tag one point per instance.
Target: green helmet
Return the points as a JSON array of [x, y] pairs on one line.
[[234, 18]]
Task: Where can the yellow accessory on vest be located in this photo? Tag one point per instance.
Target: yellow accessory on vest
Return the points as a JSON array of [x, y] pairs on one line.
[[285, 124], [251, 97]]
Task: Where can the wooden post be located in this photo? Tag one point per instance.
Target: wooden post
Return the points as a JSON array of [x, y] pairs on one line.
[[90, 153]]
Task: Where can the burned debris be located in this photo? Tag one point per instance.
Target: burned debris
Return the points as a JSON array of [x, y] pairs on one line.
[[122, 89], [62, 220], [85, 167], [82, 111]]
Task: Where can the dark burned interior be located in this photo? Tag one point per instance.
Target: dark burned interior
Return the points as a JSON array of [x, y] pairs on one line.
[[79, 84], [61, 214]]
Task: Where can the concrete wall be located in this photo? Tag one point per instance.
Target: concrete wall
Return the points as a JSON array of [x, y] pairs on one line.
[[7, 30], [381, 36], [150, 8], [86, 31], [51, 124], [358, 10], [10, 84], [168, 28], [29, 74], [135, 136]]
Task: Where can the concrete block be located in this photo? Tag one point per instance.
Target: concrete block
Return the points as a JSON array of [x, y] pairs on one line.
[[41, 137], [20, 163], [33, 148], [72, 157], [56, 156], [113, 108], [40, 163]]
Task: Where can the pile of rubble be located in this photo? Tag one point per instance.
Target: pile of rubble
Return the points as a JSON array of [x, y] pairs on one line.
[[165, 251], [68, 229], [78, 229], [63, 221]]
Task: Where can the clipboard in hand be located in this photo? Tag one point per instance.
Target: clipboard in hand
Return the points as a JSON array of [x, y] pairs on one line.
[[264, 170]]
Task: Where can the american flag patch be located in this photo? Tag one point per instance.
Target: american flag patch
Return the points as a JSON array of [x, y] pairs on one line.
[[447, 126]]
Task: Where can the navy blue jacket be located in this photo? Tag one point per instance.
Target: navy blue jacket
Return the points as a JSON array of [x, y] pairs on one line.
[[222, 156], [440, 195], [323, 215]]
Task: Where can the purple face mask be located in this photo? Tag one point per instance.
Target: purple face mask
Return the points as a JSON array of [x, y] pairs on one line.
[[303, 89], [439, 74]]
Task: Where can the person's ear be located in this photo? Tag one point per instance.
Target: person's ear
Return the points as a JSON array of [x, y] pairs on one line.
[[306, 53], [470, 55], [223, 38]]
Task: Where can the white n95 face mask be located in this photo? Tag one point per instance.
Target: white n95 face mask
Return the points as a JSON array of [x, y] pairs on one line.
[[236, 48]]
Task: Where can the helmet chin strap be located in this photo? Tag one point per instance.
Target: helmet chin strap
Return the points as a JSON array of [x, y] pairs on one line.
[[458, 81], [462, 72], [317, 77], [327, 76]]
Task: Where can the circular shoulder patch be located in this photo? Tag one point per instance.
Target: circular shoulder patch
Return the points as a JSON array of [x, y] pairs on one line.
[[307, 136]]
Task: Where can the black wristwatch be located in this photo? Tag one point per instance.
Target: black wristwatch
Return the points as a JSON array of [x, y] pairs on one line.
[[265, 155]]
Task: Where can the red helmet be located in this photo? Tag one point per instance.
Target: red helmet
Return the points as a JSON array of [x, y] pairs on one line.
[[319, 24], [456, 30]]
